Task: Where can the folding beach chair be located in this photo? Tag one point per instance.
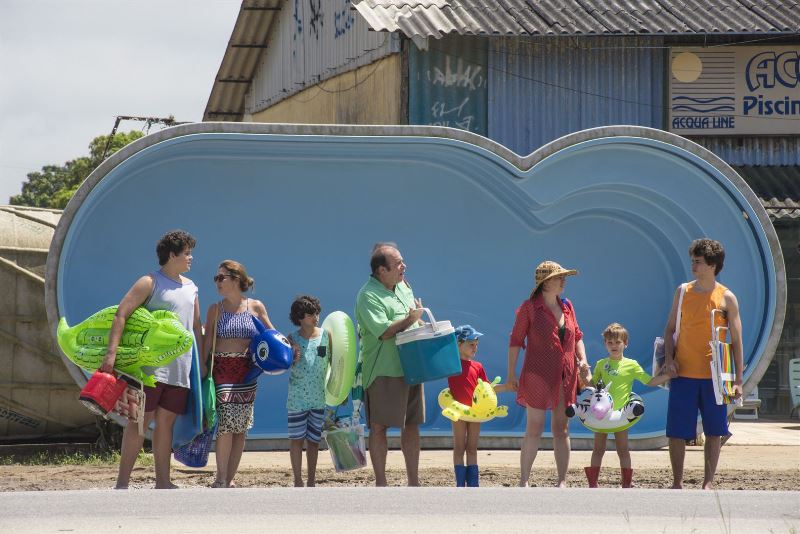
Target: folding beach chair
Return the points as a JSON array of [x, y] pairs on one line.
[[722, 365], [794, 384]]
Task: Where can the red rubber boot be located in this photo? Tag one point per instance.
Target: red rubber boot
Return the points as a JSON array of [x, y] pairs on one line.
[[592, 474], [627, 477]]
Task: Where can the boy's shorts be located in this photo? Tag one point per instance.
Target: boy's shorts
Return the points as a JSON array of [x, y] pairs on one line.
[[686, 397], [306, 425], [393, 403], [172, 398]]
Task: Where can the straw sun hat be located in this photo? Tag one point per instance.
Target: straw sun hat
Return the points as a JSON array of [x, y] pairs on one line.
[[550, 269]]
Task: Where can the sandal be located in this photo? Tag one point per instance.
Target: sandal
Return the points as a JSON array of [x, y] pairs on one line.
[[218, 484]]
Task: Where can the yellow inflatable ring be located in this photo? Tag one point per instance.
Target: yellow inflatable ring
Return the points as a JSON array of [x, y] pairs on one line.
[[342, 369], [484, 404]]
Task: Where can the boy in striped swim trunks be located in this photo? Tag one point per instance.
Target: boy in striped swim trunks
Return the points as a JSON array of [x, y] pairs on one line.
[[306, 399]]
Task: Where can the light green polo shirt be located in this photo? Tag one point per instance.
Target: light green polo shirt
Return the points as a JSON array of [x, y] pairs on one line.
[[376, 309]]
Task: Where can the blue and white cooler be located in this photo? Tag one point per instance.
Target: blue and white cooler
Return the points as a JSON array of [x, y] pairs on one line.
[[429, 352]]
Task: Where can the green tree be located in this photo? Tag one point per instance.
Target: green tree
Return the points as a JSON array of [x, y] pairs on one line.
[[54, 185]]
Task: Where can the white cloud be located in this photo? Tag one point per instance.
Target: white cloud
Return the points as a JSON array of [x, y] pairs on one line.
[[69, 67]]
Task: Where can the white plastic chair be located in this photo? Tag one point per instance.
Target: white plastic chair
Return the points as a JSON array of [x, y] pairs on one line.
[[750, 406], [794, 384]]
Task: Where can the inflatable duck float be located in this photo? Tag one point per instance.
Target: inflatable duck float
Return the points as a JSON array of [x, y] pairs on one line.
[[484, 404]]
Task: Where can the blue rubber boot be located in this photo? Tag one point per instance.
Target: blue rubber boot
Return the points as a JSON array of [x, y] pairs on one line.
[[472, 476], [461, 475]]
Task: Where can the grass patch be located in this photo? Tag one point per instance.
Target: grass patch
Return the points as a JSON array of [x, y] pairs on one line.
[[63, 458]]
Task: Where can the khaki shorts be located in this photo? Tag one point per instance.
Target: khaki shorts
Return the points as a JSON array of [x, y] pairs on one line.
[[389, 401]]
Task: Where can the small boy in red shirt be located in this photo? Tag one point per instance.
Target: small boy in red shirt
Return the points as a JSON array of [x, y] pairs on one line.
[[465, 434]]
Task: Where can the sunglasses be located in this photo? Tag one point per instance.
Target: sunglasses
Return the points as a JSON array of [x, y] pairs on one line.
[[221, 277]]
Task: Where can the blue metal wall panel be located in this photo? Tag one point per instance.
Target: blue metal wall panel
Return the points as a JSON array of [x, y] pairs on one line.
[[525, 92], [543, 89], [761, 151], [447, 84]]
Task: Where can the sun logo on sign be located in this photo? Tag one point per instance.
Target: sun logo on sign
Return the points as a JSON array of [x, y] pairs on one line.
[[687, 67]]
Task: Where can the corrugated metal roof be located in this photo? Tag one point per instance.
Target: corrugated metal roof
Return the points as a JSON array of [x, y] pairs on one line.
[[245, 46], [434, 18], [782, 209], [778, 188]]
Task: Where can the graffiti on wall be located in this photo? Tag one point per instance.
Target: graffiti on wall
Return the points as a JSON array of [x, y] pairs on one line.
[[343, 19], [310, 14], [446, 88], [316, 18]]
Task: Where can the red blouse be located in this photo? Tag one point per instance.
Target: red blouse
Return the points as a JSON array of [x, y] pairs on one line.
[[549, 362]]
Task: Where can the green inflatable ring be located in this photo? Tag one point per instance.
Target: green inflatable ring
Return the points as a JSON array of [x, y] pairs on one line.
[[342, 368], [151, 339]]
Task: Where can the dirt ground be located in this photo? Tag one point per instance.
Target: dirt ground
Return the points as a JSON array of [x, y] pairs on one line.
[[761, 455], [37, 478], [741, 467]]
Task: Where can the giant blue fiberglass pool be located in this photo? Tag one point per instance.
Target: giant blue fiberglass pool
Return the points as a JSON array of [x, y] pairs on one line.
[[301, 206]]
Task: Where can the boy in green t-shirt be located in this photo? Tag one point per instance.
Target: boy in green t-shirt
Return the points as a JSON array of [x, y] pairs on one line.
[[619, 373]]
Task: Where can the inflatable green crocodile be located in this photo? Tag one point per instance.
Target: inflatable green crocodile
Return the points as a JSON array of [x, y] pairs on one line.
[[151, 339]]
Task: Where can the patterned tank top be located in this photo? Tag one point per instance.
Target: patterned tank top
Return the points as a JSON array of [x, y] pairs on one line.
[[236, 325], [308, 373]]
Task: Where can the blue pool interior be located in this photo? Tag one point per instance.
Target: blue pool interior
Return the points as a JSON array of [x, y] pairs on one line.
[[302, 213]]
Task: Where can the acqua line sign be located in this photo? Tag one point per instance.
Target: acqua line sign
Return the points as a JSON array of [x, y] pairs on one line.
[[734, 90]]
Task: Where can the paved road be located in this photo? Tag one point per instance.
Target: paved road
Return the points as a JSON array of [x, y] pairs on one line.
[[342, 510]]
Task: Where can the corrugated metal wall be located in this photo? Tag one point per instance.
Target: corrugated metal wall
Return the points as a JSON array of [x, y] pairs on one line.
[[773, 389], [366, 95], [779, 150], [542, 89], [525, 92], [314, 40], [448, 82]]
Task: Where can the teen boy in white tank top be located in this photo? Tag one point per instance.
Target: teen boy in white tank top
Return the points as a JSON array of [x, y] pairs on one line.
[[165, 289]]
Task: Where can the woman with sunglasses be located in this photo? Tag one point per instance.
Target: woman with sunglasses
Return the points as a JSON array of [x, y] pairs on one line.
[[229, 328]]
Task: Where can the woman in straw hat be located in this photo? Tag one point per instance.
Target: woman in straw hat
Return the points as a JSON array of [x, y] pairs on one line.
[[554, 357]]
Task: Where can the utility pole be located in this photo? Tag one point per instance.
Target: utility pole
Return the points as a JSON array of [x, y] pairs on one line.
[[168, 121]]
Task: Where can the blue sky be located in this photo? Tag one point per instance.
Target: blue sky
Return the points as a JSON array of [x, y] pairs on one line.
[[69, 67]]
